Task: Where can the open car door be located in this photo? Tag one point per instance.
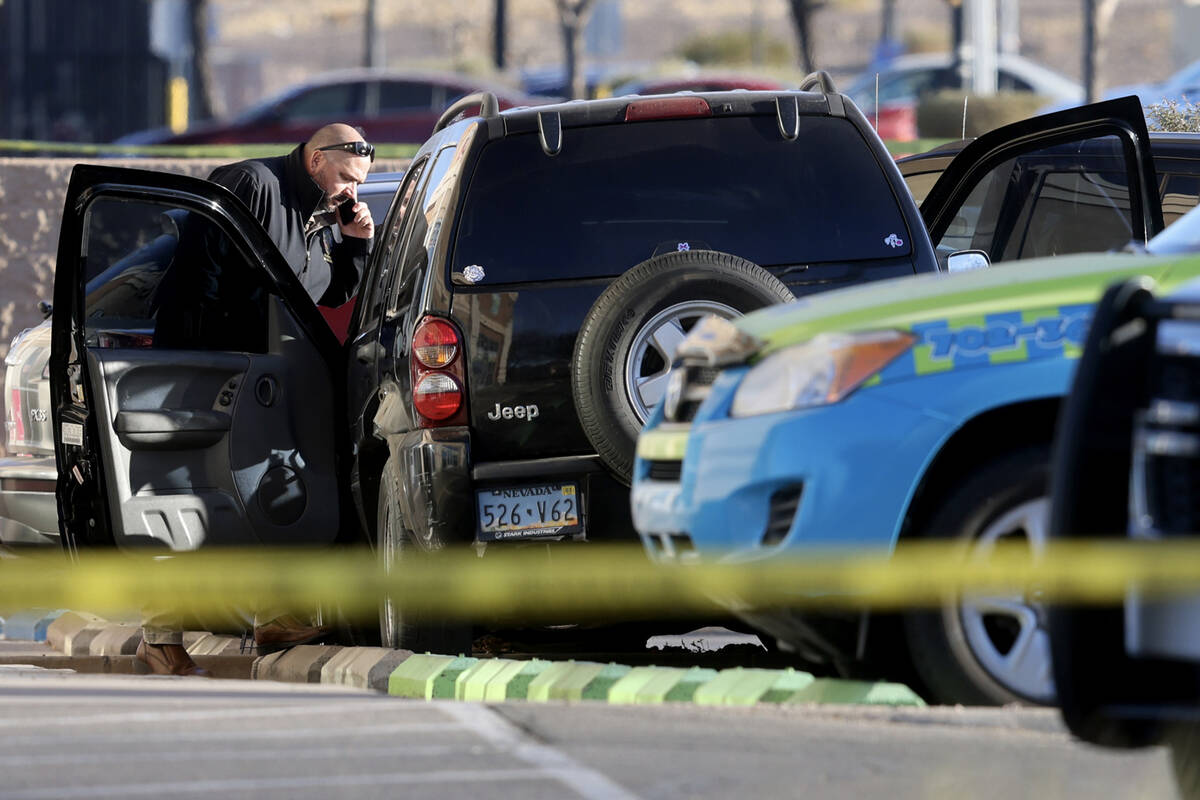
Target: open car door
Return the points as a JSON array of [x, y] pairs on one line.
[[1075, 181], [194, 385]]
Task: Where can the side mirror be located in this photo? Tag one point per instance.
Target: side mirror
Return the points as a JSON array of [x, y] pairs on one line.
[[967, 260], [45, 308]]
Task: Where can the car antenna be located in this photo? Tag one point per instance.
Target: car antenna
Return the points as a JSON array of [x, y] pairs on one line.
[[964, 128], [550, 132], [877, 102]]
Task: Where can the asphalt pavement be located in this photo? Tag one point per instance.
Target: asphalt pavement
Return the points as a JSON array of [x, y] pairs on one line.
[[71, 735]]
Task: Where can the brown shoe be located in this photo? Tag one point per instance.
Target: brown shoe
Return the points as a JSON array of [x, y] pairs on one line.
[[169, 659], [287, 631]]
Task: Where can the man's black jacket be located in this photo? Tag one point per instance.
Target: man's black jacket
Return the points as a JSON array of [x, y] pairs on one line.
[[209, 301], [283, 196]]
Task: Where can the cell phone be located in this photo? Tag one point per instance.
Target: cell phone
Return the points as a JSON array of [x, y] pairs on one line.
[[346, 210]]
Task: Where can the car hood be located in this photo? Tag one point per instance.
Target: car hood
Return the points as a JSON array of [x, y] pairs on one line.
[[903, 302]]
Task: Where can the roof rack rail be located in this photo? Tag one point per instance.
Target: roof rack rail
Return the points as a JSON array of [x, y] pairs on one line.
[[819, 78], [489, 106]]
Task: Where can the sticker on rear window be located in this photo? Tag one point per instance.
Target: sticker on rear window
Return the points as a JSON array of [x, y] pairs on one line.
[[473, 273], [893, 241], [72, 433]]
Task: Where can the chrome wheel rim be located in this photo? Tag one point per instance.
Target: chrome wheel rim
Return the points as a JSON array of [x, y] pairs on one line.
[[653, 350], [387, 551], [1007, 633]]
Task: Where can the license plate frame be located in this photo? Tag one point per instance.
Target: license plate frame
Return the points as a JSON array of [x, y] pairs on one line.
[[534, 507]]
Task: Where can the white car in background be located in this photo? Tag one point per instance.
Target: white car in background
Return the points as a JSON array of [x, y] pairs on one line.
[[28, 474]]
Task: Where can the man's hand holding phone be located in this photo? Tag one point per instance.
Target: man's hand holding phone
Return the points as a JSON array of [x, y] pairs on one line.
[[355, 219]]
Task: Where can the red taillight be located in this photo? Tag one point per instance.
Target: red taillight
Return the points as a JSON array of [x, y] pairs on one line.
[[435, 343], [438, 374], [667, 108], [437, 396]]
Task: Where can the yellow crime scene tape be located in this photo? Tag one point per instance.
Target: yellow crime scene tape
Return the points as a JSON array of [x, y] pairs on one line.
[[566, 582], [230, 151]]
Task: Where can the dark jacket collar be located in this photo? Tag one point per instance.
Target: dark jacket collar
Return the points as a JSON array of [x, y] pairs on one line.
[[307, 192]]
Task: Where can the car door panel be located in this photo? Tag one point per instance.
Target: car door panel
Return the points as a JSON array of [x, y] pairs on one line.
[[1073, 181], [183, 445]]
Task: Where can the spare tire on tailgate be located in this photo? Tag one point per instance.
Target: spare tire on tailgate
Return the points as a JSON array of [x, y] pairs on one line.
[[628, 338]]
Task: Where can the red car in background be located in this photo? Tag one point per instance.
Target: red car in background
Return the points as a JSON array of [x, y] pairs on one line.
[[397, 107]]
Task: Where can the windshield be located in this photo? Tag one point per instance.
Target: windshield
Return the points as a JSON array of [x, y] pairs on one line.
[[1182, 237], [618, 194]]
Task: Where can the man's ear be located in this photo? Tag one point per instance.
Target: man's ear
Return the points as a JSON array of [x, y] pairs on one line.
[[314, 161]]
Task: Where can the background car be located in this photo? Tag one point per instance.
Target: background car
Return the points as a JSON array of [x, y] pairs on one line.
[[28, 474], [903, 80], [917, 408], [389, 106]]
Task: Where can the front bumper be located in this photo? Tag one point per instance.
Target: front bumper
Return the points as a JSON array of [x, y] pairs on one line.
[[846, 482], [28, 517]]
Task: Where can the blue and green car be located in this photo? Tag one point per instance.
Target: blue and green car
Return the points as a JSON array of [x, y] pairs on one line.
[[910, 408]]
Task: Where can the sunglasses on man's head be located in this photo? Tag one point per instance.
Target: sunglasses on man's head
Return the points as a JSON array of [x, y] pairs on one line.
[[358, 148]]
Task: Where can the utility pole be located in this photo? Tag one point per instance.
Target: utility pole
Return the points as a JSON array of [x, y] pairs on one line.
[[1089, 50], [982, 15], [499, 31], [373, 48]]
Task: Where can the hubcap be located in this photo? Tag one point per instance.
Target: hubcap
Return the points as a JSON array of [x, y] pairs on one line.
[[1007, 633], [654, 347]]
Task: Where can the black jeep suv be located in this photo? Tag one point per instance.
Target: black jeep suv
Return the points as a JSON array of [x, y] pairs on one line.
[[515, 328]]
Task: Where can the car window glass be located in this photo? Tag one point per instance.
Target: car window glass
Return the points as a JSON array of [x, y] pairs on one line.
[[1062, 199], [420, 239], [373, 291], [1180, 195], [323, 101], [617, 194], [1008, 82], [404, 95], [161, 276], [919, 183]]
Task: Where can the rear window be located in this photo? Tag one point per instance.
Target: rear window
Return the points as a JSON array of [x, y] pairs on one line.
[[618, 194]]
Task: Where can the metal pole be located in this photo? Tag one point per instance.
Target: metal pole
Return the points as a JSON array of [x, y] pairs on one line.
[[499, 31], [1089, 50], [373, 50], [983, 40]]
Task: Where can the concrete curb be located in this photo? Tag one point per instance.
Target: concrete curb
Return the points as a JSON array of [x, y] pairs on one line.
[[29, 626], [401, 673]]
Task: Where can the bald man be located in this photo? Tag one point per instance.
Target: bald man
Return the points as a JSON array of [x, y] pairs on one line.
[[296, 198]]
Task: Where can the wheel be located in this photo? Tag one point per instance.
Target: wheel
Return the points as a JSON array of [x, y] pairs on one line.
[[395, 543], [627, 340], [989, 650]]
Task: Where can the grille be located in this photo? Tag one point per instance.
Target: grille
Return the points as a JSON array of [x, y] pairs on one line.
[[665, 470], [781, 513], [1168, 438], [695, 390]]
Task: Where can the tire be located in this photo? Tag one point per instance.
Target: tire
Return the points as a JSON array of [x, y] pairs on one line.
[[989, 650], [395, 543], [621, 360]]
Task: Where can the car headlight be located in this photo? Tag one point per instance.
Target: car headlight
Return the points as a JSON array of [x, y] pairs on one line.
[[823, 370]]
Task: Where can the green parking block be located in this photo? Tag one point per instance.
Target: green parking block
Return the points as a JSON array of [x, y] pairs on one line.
[[472, 683], [599, 686], [541, 686], [425, 676], [512, 683], [629, 687], [585, 680], [742, 687], [832, 690], [685, 688]]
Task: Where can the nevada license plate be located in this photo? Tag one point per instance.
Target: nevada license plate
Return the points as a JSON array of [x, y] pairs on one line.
[[527, 511]]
